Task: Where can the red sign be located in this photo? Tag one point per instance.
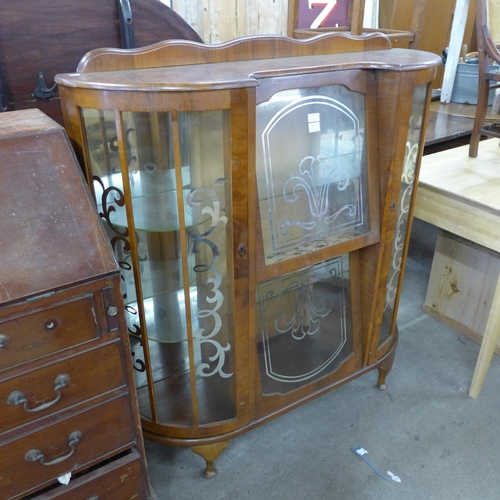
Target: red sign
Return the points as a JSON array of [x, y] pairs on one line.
[[322, 13]]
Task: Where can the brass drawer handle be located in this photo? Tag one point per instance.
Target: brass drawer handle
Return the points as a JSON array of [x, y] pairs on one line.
[[36, 455], [18, 397], [4, 340]]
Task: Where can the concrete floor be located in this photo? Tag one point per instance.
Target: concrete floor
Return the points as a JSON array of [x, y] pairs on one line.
[[424, 428]]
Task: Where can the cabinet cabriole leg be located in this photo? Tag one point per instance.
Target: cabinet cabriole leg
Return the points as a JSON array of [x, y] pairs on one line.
[[210, 452], [383, 369]]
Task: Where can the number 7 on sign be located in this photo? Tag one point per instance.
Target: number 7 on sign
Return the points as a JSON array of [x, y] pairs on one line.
[[330, 6]]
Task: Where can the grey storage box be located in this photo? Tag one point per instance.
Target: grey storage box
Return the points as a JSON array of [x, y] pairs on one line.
[[465, 86]]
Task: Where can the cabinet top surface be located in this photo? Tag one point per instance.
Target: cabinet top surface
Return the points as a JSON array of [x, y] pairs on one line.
[[246, 73], [51, 235]]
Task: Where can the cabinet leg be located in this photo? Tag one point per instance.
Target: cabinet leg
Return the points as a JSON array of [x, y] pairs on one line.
[[210, 452], [384, 368]]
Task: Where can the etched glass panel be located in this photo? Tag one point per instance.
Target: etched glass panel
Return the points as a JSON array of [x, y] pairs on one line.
[[160, 271], [311, 169], [412, 155], [305, 327], [205, 147]]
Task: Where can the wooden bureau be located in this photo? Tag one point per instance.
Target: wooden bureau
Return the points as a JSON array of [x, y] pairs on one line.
[[67, 399]]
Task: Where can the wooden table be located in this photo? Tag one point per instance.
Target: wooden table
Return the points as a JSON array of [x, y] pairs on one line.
[[445, 127], [461, 195], [450, 125]]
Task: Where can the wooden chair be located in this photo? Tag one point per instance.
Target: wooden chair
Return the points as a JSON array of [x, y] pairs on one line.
[[488, 33]]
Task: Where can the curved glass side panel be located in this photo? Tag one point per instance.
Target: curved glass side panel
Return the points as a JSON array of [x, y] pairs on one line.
[[405, 196], [311, 169], [172, 276], [205, 147], [305, 325]]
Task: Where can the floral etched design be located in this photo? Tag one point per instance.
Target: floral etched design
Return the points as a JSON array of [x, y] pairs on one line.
[[305, 319], [317, 179], [207, 335], [407, 188], [313, 190], [297, 312]]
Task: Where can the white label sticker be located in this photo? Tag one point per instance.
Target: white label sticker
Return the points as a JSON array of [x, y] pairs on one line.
[[64, 479], [313, 117], [313, 122], [314, 127]]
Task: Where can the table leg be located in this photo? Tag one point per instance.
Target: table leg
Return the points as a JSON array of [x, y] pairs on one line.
[[490, 339]]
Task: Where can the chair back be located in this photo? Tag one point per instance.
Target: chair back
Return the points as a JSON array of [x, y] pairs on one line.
[[488, 36]]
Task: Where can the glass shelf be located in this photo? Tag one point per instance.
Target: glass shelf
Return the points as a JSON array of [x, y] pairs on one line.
[[165, 316], [157, 277], [154, 200], [164, 300]]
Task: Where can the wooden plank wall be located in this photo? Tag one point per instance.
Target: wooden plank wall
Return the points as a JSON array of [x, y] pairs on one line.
[[436, 24], [221, 20]]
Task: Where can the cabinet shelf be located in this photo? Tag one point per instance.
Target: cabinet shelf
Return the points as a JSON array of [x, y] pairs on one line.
[[165, 316], [154, 200]]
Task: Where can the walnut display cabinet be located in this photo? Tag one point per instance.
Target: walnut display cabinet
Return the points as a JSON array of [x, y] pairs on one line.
[[68, 407], [258, 196]]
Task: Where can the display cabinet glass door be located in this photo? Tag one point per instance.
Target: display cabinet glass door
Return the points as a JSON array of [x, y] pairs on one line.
[[313, 194], [162, 185], [311, 170], [305, 325]]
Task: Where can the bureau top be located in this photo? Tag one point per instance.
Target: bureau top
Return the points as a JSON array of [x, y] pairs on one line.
[[26, 122], [51, 236]]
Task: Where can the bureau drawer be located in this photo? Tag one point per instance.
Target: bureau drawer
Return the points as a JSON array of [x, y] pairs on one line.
[[57, 386], [43, 332], [38, 458], [120, 480]]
